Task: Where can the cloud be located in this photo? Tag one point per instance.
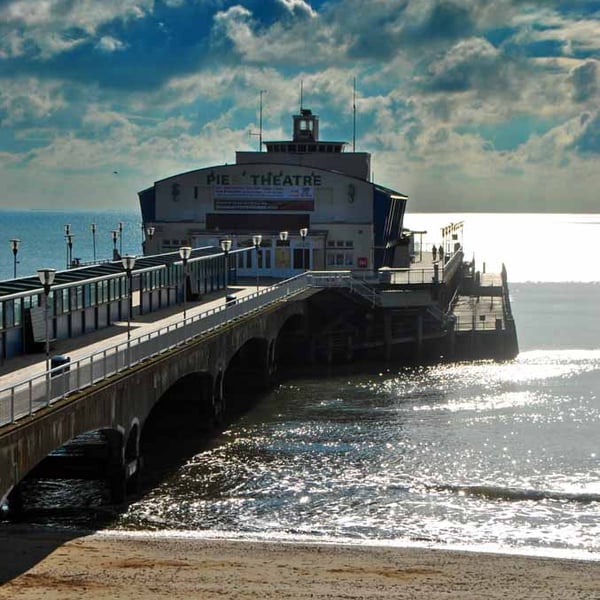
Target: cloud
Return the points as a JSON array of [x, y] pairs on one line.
[[109, 44], [27, 100], [584, 79], [298, 8], [45, 28], [470, 63], [451, 93], [587, 143]]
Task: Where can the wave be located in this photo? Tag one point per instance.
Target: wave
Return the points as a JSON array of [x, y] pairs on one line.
[[517, 494]]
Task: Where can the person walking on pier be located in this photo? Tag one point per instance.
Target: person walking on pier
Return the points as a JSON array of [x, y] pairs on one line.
[[434, 253], [441, 254]]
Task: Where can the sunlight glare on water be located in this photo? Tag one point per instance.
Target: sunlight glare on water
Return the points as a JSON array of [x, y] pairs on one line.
[[448, 455]]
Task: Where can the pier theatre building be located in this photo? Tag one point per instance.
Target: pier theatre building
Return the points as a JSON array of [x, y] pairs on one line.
[[312, 203]]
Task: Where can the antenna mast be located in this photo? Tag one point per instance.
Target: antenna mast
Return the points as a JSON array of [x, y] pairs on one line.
[[354, 116], [301, 94], [260, 121]]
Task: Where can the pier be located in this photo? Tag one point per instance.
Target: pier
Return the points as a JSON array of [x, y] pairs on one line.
[[97, 404]]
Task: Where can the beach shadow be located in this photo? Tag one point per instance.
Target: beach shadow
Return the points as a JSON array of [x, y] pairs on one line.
[[24, 546]]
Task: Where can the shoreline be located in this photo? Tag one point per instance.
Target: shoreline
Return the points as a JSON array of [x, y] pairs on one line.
[[40, 562], [229, 536]]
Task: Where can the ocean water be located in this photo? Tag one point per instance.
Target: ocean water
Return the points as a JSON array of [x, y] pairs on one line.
[[43, 243], [476, 455]]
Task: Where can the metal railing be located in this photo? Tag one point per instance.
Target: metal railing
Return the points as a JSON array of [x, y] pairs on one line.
[[411, 276], [41, 390], [475, 323]]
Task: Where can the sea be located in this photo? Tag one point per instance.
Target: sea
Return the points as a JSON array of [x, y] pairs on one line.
[[483, 456]]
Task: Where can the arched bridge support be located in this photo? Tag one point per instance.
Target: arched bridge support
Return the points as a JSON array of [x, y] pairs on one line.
[[122, 404]]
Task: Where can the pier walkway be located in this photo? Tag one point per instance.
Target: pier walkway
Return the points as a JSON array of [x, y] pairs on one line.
[[26, 386]]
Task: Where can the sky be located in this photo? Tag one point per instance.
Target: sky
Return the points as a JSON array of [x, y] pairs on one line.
[[465, 105]]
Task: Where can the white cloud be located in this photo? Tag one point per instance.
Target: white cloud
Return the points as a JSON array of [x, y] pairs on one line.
[[26, 99], [298, 7], [51, 27], [108, 43]]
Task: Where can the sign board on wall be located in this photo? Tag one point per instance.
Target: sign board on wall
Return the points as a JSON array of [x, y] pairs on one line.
[[264, 197]]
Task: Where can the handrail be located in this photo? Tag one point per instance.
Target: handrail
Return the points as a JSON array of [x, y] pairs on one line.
[[25, 397], [41, 390]]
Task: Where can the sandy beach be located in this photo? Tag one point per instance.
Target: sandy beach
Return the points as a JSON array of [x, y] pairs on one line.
[[37, 563]]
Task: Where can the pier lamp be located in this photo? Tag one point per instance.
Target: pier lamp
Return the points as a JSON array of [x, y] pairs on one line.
[[185, 252], [121, 238], [115, 236], [283, 237], [303, 234], [69, 239], [149, 235], [256, 240], [93, 230], [46, 279], [128, 263], [226, 247], [14, 244]]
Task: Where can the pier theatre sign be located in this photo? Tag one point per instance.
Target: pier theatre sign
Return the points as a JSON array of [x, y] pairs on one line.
[[265, 191]]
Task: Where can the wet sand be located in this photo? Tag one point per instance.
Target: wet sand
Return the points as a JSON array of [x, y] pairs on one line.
[[38, 563]]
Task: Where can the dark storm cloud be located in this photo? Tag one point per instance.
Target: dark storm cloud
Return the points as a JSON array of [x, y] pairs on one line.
[[381, 30], [588, 143], [445, 21], [584, 79], [472, 64]]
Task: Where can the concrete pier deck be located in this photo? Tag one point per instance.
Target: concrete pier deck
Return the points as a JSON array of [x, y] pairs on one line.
[[20, 368]]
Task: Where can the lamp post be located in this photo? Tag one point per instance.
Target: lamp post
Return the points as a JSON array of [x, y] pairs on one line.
[[185, 252], [69, 239], [303, 234], [128, 263], [283, 236], [14, 243], [115, 235], [149, 235], [67, 232], [256, 240], [226, 247], [93, 230], [120, 238], [46, 279]]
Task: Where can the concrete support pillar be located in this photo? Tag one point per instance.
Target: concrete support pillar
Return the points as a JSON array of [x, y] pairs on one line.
[[117, 483], [218, 400], [312, 351], [15, 504], [117, 470], [451, 340], [387, 334], [270, 366], [419, 336]]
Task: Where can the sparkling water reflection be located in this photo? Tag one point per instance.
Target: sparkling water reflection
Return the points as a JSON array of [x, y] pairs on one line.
[[467, 454]]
